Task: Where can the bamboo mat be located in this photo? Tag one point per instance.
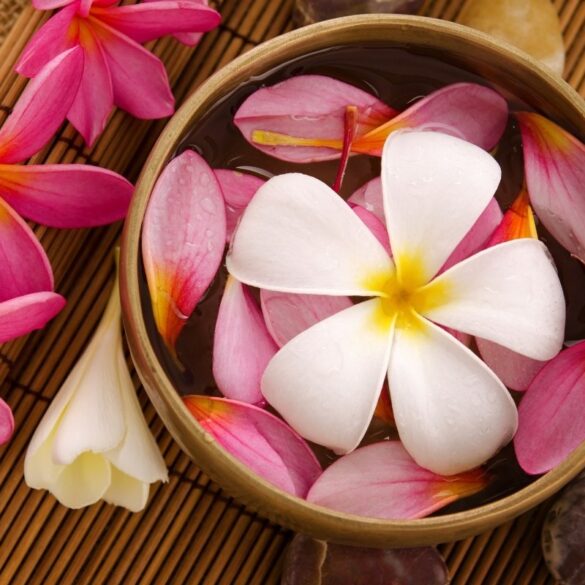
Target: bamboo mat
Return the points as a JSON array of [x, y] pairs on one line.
[[191, 532]]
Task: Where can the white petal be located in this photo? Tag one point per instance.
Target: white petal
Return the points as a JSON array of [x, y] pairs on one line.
[[435, 187], [138, 455], [298, 235], [326, 381], [126, 491], [94, 418], [509, 294], [451, 411]]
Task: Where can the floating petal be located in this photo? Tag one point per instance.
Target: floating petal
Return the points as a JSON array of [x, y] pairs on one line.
[[259, 440], [435, 188], [302, 119], [452, 413], [298, 235], [42, 107], [326, 381], [242, 345], [6, 422], [554, 165], [383, 481], [27, 313], [66, 195], [150, 20], [509, 294], [468, 111], [183, 240], [238, 189], [140, 82], [286, 315], [552, 413]]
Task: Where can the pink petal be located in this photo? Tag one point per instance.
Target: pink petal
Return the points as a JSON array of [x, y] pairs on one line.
[[148, 21], [309, 107], [25, 266], [238, 189], [27, 313], [369, 196], [189, 39], [6, 422], [242, 346], [41, 108], [478, 236], [141, 85], [468, 111], [552, 412], [377, 227], [286, 315], [95, 97], [259, 440], [56, 36], [66, 195], [383, 481], [554, 166], [516, 371], [51, 4], [183, 240]]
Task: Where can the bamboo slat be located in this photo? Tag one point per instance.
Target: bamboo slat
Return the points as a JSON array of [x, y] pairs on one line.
[[191, 532]]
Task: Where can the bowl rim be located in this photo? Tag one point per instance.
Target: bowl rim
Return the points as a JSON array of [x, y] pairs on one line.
[[236, 478]]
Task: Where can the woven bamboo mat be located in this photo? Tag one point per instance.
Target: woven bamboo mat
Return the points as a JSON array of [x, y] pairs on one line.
[[191, 532]]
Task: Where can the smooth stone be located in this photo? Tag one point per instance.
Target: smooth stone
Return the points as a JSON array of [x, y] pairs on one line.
[[531, 25], [310, 11], [315, 562], [563, 535]]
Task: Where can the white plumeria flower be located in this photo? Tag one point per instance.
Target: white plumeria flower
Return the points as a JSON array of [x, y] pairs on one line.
[[93, 442], [452, 412]]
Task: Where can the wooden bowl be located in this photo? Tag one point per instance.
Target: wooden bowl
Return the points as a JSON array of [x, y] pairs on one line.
[[503, 66]]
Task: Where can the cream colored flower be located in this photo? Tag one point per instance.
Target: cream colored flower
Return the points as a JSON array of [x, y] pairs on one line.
[[93, 442]]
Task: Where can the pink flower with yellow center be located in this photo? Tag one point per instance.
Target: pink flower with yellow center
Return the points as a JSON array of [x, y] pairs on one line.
[[116, 70]]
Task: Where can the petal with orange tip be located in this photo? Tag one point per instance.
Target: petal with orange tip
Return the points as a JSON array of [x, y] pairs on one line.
[[259, 440], [554, 166], [183, 240], [383, 481]]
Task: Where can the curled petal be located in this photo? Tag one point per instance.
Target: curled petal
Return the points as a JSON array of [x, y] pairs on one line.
[[259, 440], [150, 20], [238, 189], [298, 235], [302, 119], [554, 166], [435, 188], [27, 313], [451, 412], [509, 294], [552, 413], [6, 422], [468, 111], [516, 371], [66, 195], [383, 481], [42, 107], [242, 346], [183, 239], [326, 381], [25, 266], [49, 41], [139, 78], [377, 227], [286, 315]]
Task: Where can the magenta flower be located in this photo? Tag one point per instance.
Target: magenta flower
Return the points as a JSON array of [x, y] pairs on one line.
[[116, 70]]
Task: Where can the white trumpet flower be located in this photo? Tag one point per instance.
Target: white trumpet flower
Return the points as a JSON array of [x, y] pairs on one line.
[[451, 411], [93, 442]]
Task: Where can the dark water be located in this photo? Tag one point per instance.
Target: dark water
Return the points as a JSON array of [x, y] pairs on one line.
[[397, 76]]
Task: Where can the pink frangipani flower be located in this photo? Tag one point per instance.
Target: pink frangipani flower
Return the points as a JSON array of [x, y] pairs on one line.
[[452, 413], [117, 70]]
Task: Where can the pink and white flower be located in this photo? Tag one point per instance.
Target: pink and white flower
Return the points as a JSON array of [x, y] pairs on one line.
[[451, 411]]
